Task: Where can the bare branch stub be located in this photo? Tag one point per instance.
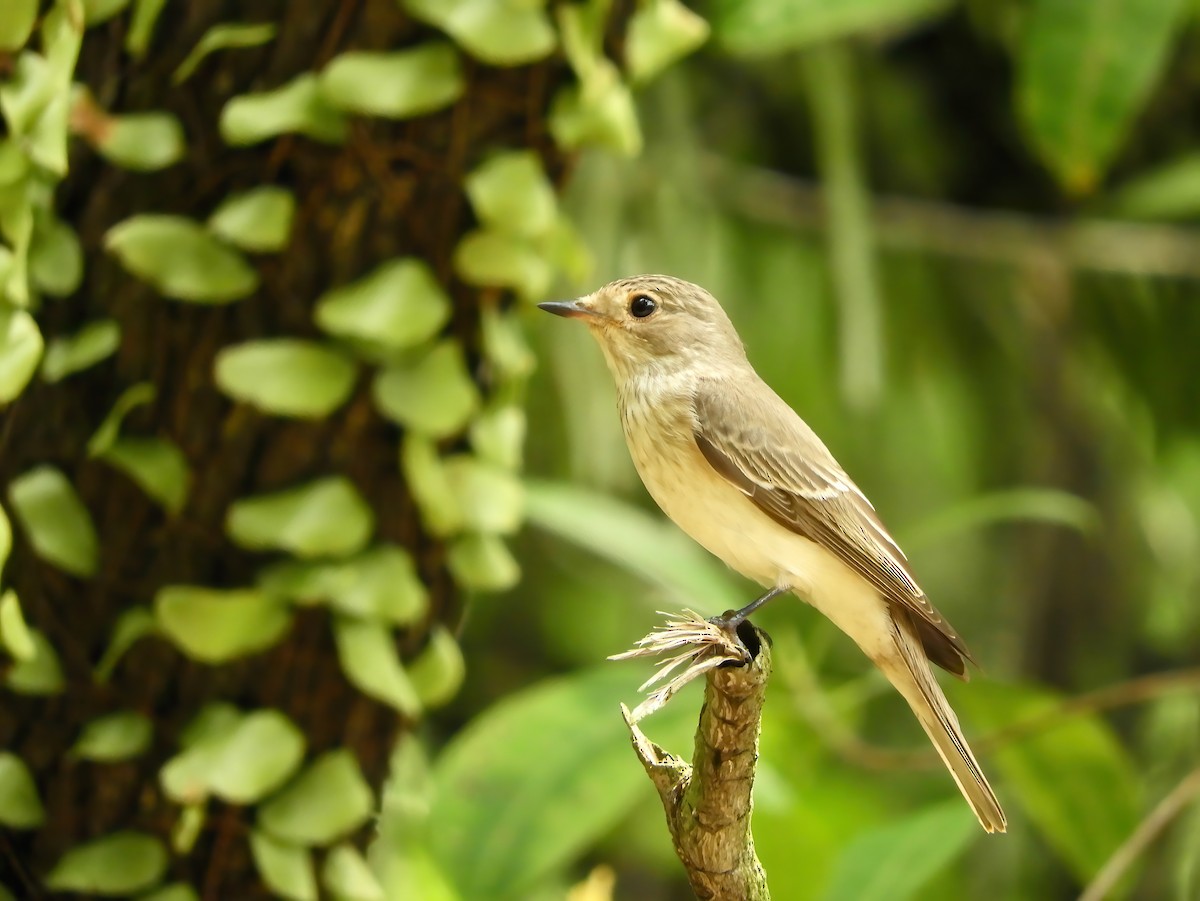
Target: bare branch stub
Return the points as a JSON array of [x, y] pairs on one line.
[[708, 803]]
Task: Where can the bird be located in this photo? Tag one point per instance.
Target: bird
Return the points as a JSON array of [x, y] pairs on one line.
[[737, 469]]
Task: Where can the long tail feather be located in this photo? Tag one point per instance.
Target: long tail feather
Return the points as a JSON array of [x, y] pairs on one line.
[[910, 673]]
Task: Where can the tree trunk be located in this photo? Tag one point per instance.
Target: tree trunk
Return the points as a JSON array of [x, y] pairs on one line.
[[391, 189]]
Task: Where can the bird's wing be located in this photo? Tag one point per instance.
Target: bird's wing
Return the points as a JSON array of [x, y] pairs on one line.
[[756, 441]]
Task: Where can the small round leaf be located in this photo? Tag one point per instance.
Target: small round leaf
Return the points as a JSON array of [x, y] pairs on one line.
[[258, 220], [329, 799], [398, 305], [433, 394], [327, 517], [119, 864], [181, 259], [396, 85], [55, 520], [286, 376], [20, 806], [212, 625]]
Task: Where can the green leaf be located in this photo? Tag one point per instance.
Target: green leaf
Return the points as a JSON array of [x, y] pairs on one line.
[[1044, 505], [397, 85], [41, 674], [228, 36], [176, 891], [326, 517], [97, 11], [141, 25], [432, 394], [258, 220], [328, 800], [491, 258], [398, 305], [20, 806], [117, 864], [482, 563], [69, 354], [511, 193], [380, 583], [641, 543], [109, 430], [505, 346], [771, 27], [239, 758], [500, 824], [498, 32], [16, 23], [297, 106], [214, 625], [368, 656], [348, 877], [439, 670], [1169, 191], [5, 539], [896, 862], [661, 33], [140, 142], [117, 736], [156, 465], [55, 257], [286, 376], [20, 352], [491, 498], [832, 83], [55, 520], [286, 869], [1084, 72], [600, 112], [134, 623], [498, 435], [430, 486], [180, 259], [15, 636], [1073, 778]]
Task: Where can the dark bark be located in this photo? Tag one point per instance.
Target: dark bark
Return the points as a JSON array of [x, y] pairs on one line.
[[393, 188]]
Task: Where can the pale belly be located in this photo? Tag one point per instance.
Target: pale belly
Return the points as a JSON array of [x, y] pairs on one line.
[[724, 521]]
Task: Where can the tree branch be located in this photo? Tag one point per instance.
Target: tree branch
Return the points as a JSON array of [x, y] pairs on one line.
[[708, 803]]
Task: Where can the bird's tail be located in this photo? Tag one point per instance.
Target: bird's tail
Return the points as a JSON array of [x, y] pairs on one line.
[[910, 673]]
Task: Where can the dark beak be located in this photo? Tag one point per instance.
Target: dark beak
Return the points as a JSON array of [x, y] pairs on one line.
[[572, 309]]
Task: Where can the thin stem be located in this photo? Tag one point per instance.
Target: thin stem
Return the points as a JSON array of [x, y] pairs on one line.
[[1183, 794]]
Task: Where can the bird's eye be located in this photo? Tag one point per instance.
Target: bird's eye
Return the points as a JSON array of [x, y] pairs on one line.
[[642, 306]]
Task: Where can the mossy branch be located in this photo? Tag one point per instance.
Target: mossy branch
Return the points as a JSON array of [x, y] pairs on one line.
[[708, 802]]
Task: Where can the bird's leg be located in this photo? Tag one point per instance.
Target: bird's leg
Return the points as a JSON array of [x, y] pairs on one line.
[[731, 619]]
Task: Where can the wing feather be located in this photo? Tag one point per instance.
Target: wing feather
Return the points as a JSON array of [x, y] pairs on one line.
[[785, 469]]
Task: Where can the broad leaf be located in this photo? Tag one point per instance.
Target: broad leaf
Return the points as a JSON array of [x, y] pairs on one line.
[[297, 106], [512, 193], [1083, 73], [896, 861], [69, 354], [482, 562], [40, 674], [1073, 778], [498, 32], [286, 869], [156, 465], [20, 352], [369, 658], [769, 27], [508, 798]]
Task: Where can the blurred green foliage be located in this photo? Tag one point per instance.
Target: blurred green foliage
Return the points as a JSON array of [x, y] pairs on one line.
[[957, 238]]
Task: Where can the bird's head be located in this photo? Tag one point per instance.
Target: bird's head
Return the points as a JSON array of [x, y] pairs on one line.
[[654, 322]]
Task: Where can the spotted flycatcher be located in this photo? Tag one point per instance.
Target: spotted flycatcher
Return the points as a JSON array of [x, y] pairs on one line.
[[734, 466]]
